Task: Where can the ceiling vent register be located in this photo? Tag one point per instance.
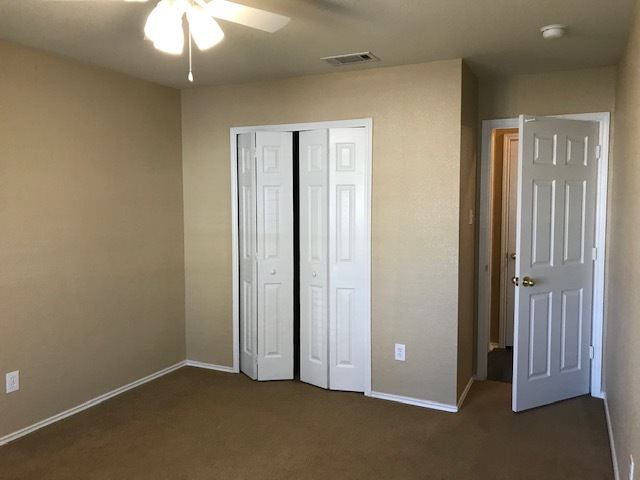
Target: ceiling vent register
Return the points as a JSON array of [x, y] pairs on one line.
[[351, 59]]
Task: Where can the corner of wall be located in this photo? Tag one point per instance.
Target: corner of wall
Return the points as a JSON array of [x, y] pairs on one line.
[[467, 230]]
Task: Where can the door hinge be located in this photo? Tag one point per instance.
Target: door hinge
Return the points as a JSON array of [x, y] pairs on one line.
[[598, 151], [591, 352], [594, 253]]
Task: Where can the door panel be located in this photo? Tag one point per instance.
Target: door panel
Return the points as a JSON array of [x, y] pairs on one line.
[[570, 347], [247, 249], [575, 205], [334, 286], [556, 218], [349, 286], [274, 184], [539, 336], [344, 325], [314, 235]]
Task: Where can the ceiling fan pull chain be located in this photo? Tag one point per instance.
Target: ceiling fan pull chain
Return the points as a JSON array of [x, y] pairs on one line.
[[190, 76]]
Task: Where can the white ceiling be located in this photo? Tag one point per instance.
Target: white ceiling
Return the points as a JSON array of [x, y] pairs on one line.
[[497, 37]]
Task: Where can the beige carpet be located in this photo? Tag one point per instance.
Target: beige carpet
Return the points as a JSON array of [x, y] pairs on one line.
[[199, 424]]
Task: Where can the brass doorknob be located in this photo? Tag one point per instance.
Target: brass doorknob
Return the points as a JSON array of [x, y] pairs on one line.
[[528, 282], [514, 280]]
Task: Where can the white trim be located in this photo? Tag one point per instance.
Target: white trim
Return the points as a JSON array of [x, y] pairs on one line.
[[464, 394], [614, 457], [366, 123], [210, 366], [604, 119], [235, 262], [91, 403], [415, 402], [368, 234]]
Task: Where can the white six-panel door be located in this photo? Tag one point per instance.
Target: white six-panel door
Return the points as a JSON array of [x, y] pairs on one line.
[[555, 240], [265, 190], [334, 285], [314, 257]]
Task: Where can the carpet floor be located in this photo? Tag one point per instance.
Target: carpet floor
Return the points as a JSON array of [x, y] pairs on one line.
[[200, 424]]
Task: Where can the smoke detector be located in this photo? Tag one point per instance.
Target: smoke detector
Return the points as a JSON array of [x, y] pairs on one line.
[[553, 31], [351, 58]]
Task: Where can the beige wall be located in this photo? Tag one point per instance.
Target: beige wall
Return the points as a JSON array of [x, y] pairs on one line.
[[467, 240], [92, 283], [416, 184], [577, 91], [622, 350]]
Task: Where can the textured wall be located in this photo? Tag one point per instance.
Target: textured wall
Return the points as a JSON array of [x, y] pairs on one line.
[[577, 91], [622, 350], [467, 239], [92, 284], [416, 182]]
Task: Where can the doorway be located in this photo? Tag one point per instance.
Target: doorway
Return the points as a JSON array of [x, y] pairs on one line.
[[487, 180], [504, 163], [364, 221]]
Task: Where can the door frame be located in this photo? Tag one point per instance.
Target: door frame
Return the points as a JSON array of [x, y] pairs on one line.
[[483, 305], [367, 124], [505, 282]]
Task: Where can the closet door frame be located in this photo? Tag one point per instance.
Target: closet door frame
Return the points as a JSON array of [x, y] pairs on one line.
[[367, 124]]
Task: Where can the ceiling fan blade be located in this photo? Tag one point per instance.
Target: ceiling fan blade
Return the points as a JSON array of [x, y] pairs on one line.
[[243, 15]]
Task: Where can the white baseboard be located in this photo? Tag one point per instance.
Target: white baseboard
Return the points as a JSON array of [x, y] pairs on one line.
[[72, 411], [614, 457], [209, 366], [464, 393], [415, 401]]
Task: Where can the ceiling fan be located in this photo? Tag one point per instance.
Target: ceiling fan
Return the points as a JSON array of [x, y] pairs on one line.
[[164, 24]]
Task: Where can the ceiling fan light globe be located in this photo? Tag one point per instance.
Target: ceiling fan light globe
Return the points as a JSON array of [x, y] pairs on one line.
[[172, 46], [164, 27], [160, 18], [164, 17], [154, 24], [205, 30], [172, 40]]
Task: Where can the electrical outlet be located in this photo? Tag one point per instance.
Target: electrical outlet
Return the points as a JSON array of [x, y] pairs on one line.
[[13, 381], [400, 352], [632, 467]]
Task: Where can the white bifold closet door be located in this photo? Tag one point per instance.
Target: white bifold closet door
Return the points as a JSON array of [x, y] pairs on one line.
[[265, 191], [334, 285]]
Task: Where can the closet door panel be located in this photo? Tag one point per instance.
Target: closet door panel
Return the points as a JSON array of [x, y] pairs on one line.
[[274, 223], [349, 284], [314, 236], [247, 252]]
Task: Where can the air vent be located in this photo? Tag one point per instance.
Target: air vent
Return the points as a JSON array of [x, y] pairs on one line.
[[351, 58]]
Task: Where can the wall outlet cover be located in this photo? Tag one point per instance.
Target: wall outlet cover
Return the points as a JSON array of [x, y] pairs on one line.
[[13, 381], [400, 351]]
